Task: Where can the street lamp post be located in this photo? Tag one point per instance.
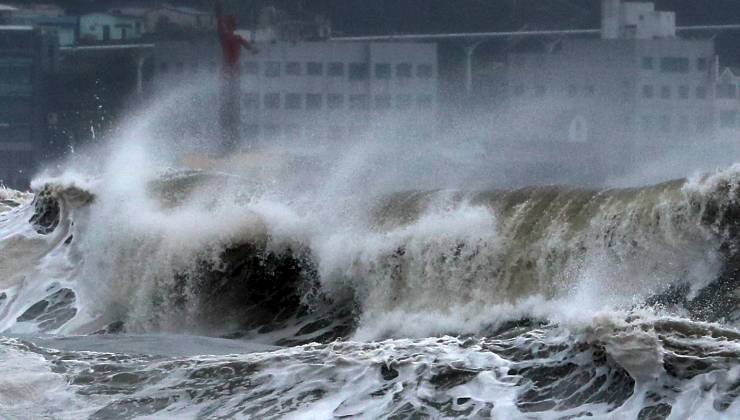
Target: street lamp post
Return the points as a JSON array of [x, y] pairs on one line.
[[469, 54]]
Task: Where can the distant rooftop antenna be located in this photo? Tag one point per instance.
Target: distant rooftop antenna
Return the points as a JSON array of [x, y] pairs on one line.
[[610, 18]]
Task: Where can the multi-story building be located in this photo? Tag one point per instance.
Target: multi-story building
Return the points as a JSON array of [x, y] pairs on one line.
[[27, 57], [321, 90], [632, 95], [728, 102]]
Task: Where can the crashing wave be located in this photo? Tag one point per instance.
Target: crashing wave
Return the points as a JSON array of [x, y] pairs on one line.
[[183, 259], [547, 302]]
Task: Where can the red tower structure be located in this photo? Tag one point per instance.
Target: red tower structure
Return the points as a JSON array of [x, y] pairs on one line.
[[231, 45]]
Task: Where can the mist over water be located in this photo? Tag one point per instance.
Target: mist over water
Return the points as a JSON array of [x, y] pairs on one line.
[[389, 274]]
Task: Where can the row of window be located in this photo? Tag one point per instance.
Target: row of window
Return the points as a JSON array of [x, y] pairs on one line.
[[316, 101], [675, 64], [293, 132], [541, 90], [668, 92], [355, 71], [664, 64], [648, 91], [681, 124]]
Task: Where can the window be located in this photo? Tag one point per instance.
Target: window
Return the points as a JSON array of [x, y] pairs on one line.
[[648, 92], [703, 123], [424, 71], [665, 92], [648, 63], [647, 123], [519, 90], [271, 131], [335, 133], [163, 67], [313, 101], [251, 131], [590, 90], [403, 70], [404, 102], [291, 131], [702, 64], [726, 91], [315, 69], [272, 69], [572, 91], [251, 100], [383, 102], [665, 123], [359, 102], [251, 67], [424, 101], [334, 101], [383, 71], [293, 68], [194, 67], [179, 67], [728, 119], [272, 100], [683, 92], [674, 65], [358, 71], [683, 124], [539, 91], [336, 69], [627, 90], [701, 92], [292, 101]]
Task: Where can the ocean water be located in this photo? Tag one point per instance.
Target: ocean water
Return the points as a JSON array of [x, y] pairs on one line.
[[138, 293]]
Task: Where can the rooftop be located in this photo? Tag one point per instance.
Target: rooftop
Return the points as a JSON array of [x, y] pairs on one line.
[[16, 28], [52, 20], [186, 10]]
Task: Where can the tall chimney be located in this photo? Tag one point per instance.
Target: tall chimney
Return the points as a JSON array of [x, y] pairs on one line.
[[610, 18]]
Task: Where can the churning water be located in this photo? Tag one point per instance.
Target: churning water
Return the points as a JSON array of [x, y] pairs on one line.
[[195, 294]]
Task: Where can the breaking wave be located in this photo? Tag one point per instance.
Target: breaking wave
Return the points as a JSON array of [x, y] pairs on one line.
[[550, 302]]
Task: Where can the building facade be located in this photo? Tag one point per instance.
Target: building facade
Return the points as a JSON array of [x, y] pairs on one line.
[[633, 95], [728, 102], [27, 59], [105, 27], [166, 18], [64, 27], [317, 90]]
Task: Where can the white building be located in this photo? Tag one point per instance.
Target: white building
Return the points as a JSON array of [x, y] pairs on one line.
[[633, 20], [110, 27], [317, 90], [632, 95], [728, 101]]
